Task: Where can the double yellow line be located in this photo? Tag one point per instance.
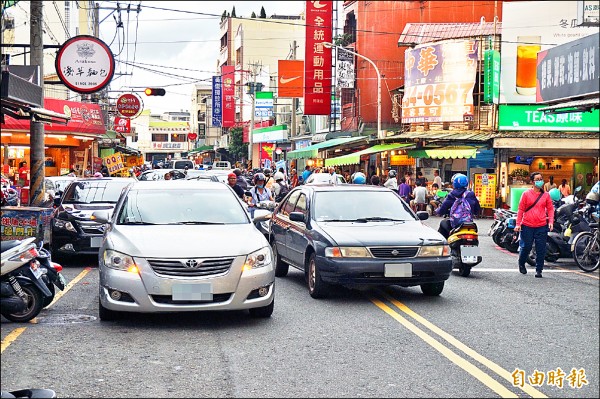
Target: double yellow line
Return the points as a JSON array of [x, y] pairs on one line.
[[13, 335], [461, 362]]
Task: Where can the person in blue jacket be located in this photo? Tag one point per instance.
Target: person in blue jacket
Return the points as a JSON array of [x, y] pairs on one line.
[[459, 184]]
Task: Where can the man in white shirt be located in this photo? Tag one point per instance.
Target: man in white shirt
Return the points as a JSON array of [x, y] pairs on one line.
[[392, 181], [437, 179], [419, 203]]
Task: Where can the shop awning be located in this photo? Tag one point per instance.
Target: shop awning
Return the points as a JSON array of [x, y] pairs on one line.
[[203, 148], [312, 150], [127, 150], [443, 152], [354, 158]]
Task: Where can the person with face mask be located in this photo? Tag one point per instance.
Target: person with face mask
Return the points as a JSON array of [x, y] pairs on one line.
[[535, 219]]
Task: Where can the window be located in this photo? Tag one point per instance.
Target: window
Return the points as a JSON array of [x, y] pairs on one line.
[[178, 137], [160, 137], [301, 205], [288, 207]]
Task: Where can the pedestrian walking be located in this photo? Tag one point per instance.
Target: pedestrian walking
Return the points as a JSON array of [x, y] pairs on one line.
[[535, 218], [564, 188]]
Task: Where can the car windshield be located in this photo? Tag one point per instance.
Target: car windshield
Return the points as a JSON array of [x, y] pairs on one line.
[[177, 206], [94, 191], [360, 206]]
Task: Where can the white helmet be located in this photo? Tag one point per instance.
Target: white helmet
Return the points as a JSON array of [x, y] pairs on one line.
[[278, 176]]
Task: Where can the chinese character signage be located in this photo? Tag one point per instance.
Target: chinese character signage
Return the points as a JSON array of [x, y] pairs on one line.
[[317, 59], [85, 64], [19, 223], [168, 145], [527, 117], [216, 101], [439, 81], [291, 78], [484, 188], [491, 88], [129, 105], [114, 163], [569, 70], [522, 40], [228, 95], [263, 104], [122, 125], [345, 69]]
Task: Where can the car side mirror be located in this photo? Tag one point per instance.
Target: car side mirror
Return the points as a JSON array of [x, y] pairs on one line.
[[297, 217], [101, 216], [423, 215]]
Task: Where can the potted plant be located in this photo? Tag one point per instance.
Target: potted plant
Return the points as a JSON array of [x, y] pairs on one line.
[[519, 175]]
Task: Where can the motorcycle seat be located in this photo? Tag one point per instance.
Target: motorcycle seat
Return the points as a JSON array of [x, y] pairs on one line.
[[466, 225], [6, 245]]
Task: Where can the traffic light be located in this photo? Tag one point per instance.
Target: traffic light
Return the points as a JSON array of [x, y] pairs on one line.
[[151, 91]]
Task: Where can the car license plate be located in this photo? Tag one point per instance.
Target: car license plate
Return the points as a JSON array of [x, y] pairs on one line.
[[192, 292], [469, 253], [96, 242], [35, 269], [398, 270]]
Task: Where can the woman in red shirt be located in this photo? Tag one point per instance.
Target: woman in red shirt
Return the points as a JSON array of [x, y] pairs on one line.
[[535, 219]]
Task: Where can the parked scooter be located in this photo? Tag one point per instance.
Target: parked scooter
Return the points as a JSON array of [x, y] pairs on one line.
[[51, 273], [21, 272], [464, 248], [499, 226]]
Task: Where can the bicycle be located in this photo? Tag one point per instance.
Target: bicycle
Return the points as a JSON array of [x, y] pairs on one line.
[[586, 249]]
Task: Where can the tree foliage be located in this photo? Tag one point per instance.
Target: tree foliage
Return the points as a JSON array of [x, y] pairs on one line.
[[263, 13], [253, 15], [233, 13], [224, 15], [237, 148]]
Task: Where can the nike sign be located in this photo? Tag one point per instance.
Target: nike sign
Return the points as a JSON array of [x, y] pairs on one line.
[[317, 4], [283, 80]]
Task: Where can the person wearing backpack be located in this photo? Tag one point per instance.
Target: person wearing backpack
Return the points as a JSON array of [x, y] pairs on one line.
[[460, 203], [280, 187], [535, 218]]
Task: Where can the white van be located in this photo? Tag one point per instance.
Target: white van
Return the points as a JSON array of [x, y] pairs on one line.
[[181, 164], [224, 165]]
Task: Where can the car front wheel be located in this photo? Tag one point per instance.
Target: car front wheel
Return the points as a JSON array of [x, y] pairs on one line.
[[317, 288], [264, 311], [106, 314], [281, 268], [432, 289]]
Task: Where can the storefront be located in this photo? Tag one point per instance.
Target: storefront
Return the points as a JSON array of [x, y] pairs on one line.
[[311, 154], [66, 146], [394, 154]]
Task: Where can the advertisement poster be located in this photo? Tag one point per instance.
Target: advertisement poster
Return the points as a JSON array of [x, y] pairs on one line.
[[266, 153], [114, 163], [291, 78], [19, 223], [228, 95], [317, 69], [484, 187], [523, 36], [439, 81], [216, 101]]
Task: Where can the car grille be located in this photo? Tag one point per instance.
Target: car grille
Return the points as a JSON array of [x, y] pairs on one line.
[[179, 268], [394, 252], [168, 300], [91, 227]]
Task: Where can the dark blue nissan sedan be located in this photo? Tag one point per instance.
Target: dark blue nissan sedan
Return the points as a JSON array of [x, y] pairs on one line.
[[357, 235]]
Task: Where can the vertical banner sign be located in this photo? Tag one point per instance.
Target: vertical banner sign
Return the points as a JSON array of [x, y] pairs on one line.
[[263, 104], [439, 81], [317, 66], [345, 69], [114, 163], [122, 125], [291, 78], [491, 88], [228, 106], [484, 188], [216, 101], [266, 152]]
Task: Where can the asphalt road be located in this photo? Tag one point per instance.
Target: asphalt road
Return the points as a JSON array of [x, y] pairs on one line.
[[478, 339]]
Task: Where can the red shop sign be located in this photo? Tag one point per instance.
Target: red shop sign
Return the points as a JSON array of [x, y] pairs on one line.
[[192, 136], [122, 125], [129, 105]]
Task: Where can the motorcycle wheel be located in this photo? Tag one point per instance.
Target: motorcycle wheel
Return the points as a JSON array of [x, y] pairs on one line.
[[549, 257], [35, 303], [48, 301], [464, 270]]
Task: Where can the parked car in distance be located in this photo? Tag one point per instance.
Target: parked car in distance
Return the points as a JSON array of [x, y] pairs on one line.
[[74, 231], [178, 246], [56, 185], [180, 164], [223, 165], [323, 178], [159, 174], [357, 235]]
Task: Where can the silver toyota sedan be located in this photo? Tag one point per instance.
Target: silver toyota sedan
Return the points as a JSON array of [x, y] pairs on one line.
[[173, 246]]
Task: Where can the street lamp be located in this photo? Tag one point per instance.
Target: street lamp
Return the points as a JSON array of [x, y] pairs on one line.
[[379, 132]]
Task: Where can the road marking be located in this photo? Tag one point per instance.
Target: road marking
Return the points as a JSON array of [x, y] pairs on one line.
[[452, 356], [517, 270], [70, 285], [11, 337], [462, 347]]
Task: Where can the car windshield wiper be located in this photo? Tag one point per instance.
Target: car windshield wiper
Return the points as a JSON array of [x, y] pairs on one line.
[[338, 220], [74, 202], [379, 219], [196, 223]]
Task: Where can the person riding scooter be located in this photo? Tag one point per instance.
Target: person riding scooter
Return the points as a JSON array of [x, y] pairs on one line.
[[459, 183]]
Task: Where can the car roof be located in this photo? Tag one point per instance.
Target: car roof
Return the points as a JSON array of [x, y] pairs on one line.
[[105, 178], [180, 184], [343, 187]]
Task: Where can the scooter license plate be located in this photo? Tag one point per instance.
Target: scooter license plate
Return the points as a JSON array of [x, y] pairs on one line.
[[35, 269], [469, 253]]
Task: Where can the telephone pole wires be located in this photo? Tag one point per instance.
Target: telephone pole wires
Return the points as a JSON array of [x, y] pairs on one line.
[[37, 155]]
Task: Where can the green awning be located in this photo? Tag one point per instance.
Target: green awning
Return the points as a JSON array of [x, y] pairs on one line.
[[201, 149], [443, 152], [354, 158], [312, 150]]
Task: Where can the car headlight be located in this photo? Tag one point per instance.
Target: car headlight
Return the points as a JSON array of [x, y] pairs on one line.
[[257, 259], [119, 261], [434, 250], [64, 224], [347, 252]]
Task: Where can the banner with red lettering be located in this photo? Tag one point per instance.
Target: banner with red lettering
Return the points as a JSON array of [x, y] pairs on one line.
[[317, 64], [122, 125], [228, 95]]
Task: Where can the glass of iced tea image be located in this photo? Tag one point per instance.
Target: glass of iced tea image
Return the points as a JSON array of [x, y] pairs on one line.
[[527, 49]]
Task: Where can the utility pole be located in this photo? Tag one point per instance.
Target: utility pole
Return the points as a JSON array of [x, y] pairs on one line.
[[293, 131], [36, 154]]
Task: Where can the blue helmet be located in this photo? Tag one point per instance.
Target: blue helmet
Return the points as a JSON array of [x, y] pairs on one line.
[[459, 181], [359, 178]]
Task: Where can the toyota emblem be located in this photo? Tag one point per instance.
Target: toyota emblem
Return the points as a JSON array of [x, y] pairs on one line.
[[395, 252], [191, 263]]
